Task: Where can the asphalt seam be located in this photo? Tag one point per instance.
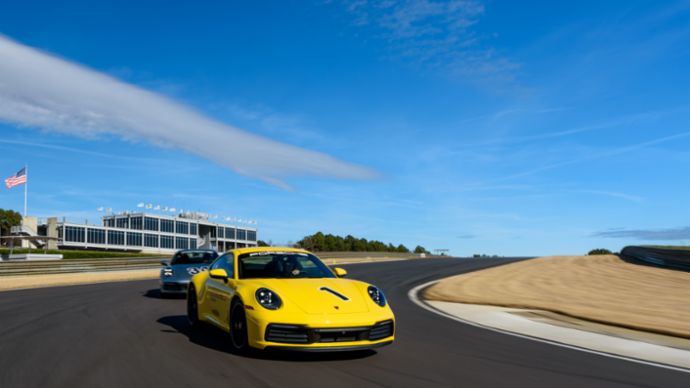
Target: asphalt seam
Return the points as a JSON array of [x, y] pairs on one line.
[[413, 295]]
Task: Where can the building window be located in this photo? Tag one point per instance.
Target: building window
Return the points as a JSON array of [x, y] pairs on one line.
[[167, 242], [167, 226], [181, 243], [181, 227], [135, 223], [221, 232], [95, 236], [150, 223], [192, 243], [241, 234], [151, 240], [230, 233], [251, 235], [122, 222], [116, 237], [134, 239], [109, 222], [213, 232], [193, 229], [74, 234]]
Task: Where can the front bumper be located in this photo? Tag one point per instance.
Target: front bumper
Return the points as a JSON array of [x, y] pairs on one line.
[[314, 349], [177, 287], [350, 333]]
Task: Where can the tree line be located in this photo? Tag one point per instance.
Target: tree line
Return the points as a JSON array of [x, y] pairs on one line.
[[8, 219], [319, 242]]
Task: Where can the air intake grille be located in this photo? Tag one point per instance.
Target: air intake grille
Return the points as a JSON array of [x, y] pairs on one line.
[[287, 334], [381, 330]]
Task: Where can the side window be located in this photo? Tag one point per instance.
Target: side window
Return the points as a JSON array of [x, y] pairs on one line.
[[229, 264], [226, 262], [218, 263]]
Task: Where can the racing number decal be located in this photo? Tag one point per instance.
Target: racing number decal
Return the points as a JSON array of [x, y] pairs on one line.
[[195, 270]]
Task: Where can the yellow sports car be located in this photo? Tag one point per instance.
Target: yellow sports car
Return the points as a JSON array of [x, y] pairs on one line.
[[285, 298]]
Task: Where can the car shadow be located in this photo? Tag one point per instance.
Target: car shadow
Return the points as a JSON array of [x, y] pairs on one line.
[[156, 293], [205, 336], [210, 337]]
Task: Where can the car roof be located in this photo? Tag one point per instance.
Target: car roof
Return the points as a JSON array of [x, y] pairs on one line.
[[240, 251]]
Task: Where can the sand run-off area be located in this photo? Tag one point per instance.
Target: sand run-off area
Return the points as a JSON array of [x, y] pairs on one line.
[[602, 289]]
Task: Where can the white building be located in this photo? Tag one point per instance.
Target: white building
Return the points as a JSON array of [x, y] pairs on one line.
[[151, 233]]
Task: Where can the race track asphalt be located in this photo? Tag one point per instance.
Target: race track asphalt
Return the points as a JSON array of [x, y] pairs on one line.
[[125, 335]]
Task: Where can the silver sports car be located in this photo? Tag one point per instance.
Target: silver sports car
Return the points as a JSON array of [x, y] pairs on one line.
[[184, 264]]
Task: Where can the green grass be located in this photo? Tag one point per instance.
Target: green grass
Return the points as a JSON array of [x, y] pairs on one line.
[[78, 254]]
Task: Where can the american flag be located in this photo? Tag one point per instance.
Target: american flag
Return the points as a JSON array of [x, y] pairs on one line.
[[16, 179]]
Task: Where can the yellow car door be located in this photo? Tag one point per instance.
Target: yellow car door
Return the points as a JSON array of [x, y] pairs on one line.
[[221, 289]]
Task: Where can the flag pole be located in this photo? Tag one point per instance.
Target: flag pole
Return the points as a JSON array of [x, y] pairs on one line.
[[26, 187]]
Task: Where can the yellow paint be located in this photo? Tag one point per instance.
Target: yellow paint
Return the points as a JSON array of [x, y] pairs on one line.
[[302, 303]]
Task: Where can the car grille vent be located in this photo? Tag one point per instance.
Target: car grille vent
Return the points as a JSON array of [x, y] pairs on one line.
[[287, 334], [349, 334], [381, 330]]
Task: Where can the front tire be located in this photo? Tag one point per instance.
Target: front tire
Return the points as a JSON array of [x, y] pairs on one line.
[[238, 327], [192, 307]]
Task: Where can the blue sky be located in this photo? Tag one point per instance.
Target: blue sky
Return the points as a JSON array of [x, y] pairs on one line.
[[479, 126]]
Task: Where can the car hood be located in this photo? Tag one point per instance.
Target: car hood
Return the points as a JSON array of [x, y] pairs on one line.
[[321, 296], [188, 270]]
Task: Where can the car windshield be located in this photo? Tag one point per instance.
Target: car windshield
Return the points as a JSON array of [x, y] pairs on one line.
[[194, 257], [281, 265]]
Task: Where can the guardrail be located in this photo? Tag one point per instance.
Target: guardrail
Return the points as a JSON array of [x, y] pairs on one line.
[[660, 257], [8, 268], [76, 265], [364, 255]]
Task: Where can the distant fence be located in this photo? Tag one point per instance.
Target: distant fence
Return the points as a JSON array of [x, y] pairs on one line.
[[364, 255], [16, 267], [661, 257]]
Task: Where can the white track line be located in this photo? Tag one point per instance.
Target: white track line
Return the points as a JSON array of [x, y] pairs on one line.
[[413, 294]]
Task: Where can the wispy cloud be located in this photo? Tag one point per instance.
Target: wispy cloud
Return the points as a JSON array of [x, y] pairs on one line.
[[594, 156], [40, 90], [682, 233], [436, 34], [293, 127], [608, 123], [61, 148], [614, 194], [497, 116]]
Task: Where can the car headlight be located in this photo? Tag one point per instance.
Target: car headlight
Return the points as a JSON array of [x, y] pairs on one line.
[[268, 299], [377, 296], [167, 272]]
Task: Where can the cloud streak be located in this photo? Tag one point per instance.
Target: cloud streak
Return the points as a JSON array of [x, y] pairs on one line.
[[436, 34], [60, 148], [41, 90], [595, 156], [614, 194], [682, 233]]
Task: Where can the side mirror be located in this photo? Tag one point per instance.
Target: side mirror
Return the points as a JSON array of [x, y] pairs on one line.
[[218, 273], [165, 263], [339, 272]]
